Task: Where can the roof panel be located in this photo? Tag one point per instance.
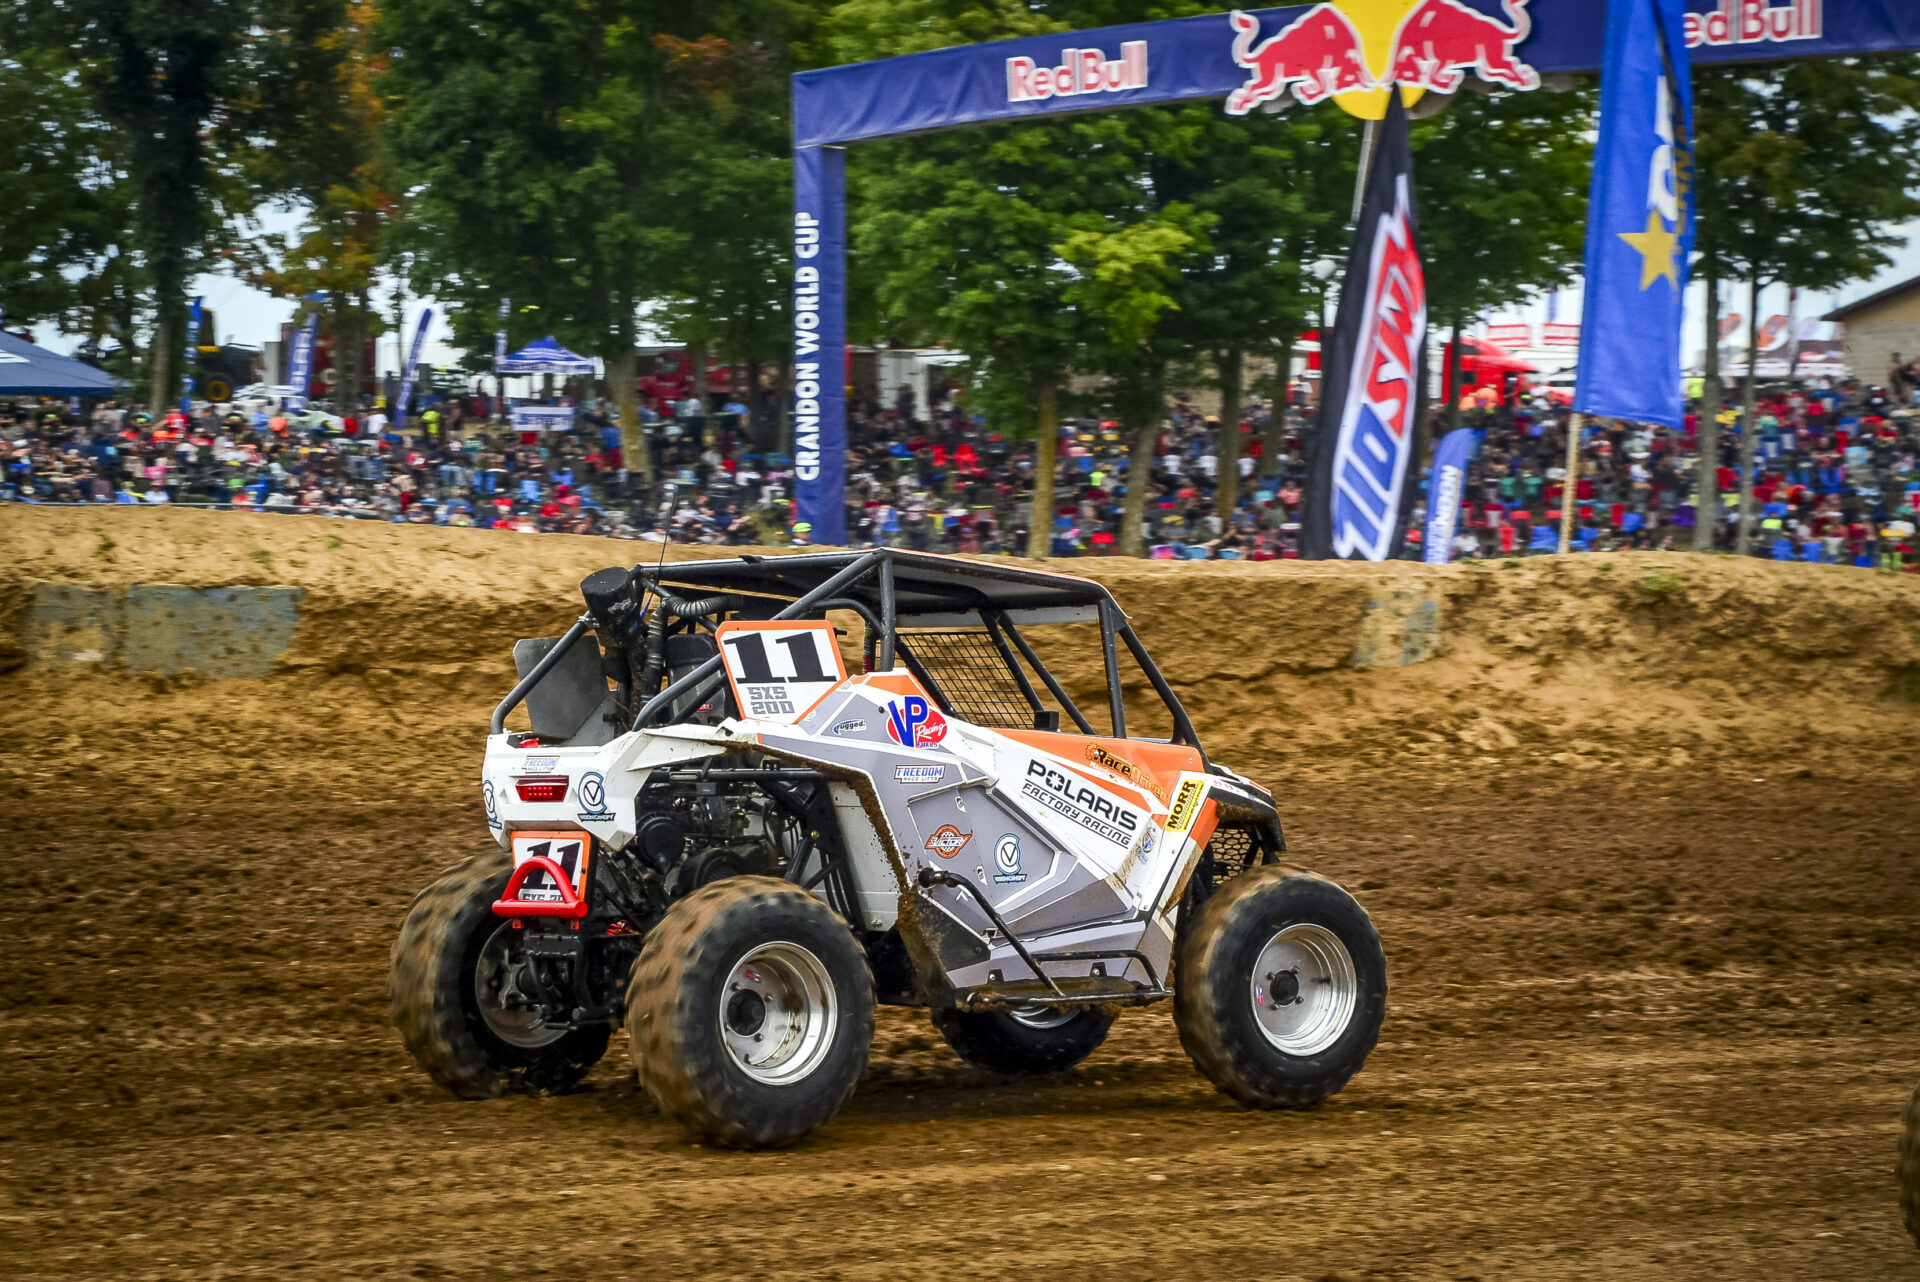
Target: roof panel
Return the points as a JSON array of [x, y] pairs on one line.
[[923, 581]]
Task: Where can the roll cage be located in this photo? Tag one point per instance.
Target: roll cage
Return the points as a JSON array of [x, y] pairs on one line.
[[955, 624]]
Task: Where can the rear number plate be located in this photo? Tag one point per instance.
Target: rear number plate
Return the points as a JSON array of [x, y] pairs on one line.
[[570, 850]]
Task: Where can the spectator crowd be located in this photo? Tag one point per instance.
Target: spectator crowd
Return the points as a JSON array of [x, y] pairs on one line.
[[1835, 476]]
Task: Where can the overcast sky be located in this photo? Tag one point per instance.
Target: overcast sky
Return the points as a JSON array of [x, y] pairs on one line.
[[246, 315]]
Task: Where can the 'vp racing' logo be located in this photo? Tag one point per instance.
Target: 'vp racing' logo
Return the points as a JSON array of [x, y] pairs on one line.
[[912, 722], [1375, 446], [1325, 53]]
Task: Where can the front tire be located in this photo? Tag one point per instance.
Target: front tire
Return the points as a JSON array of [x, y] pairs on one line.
[[1040, 1039], [458, 1001], [1281, 988], [750, 1012]]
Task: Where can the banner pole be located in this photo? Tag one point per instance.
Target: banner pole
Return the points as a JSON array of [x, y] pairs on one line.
[[1569, 488], [1367, 136]]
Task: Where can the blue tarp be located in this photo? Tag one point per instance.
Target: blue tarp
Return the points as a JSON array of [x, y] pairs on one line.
[[27, 370], [546, 357]]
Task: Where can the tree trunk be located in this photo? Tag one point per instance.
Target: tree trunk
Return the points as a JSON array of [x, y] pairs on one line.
[[697, 358], [1706, 486], [1749, 429], [1133, 513], [623, 373], [1452, 380], [1226, 490], [1040, 537], [347, 327], [784, 393], [756, 408], [1273, 442], [165, 356]]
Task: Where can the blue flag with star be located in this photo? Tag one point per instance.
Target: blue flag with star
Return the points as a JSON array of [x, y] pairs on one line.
[[1639, 218]]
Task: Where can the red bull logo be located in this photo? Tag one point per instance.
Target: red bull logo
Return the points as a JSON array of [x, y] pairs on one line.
[[1080, 71], [1746, 22], [1355, 51]]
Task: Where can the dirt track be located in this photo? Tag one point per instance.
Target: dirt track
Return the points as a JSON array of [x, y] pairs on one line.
[[1653, 944]]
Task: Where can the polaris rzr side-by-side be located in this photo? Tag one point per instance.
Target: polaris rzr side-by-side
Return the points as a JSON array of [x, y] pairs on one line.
[[712, 833]]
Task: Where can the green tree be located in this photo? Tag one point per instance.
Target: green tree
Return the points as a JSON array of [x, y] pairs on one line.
[[726, 187], [61, 237], [1501, 184], [555, 155], [1124, 282], [308, 138], [1275, 193], [520, 132], [165, 77], [1806, 168]]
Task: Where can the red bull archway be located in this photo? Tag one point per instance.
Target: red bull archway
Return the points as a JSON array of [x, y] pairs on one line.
[[1352, 51]]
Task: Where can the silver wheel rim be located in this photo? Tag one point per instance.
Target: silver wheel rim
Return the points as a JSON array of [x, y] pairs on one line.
[[507, 1005], [1304, 989], [1042, 1017], [778, 1013]]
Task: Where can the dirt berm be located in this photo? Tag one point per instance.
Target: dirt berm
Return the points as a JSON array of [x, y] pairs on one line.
[[1640, 834]]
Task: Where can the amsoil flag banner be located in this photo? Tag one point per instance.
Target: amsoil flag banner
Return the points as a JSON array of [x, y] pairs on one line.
[[406, 371], [1639, 219], [1367, 439], [500, 336]]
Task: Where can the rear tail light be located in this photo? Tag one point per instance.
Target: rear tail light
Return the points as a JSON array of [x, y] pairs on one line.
[[541, 788]]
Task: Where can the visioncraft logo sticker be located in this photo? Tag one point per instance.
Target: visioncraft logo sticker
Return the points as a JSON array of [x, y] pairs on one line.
[[1006, 860]]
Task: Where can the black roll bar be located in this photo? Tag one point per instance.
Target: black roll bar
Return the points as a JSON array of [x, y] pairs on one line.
[[1183, 731], [1116, 701], [825, 592], [1053, 683]]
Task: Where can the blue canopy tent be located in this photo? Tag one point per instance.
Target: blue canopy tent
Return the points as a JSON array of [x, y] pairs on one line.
[[27, 370], [546, 357]]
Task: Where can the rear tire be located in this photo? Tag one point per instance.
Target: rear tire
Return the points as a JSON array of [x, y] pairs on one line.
[[1909, 1168], [455, 995], [1044, 1039], [1281, 988], [750, 1012]]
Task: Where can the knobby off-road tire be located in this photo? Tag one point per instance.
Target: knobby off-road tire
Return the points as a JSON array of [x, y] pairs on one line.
[[436, 988], [1280, 988], [1909, 1168], [1041, 1040], [750, 1012]]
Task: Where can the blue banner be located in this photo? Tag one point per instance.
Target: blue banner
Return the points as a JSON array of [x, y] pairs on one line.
[[500, 335], [1639, 219], [300, 362], [1350, 49], [406, 371], [196, 317], [820, 342], [1444, 487]]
